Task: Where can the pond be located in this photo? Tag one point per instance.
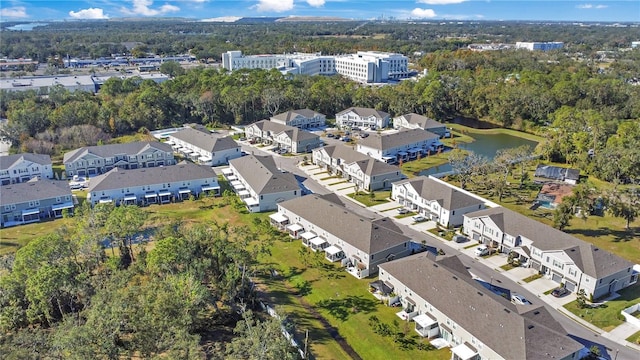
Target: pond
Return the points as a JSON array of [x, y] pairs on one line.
[[486, 145]]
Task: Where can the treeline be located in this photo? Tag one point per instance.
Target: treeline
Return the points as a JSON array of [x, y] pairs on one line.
[[63, 296], [88, 39]]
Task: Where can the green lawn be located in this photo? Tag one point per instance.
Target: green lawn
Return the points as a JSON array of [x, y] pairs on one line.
[[412, 168], [531, 278], [507, 267], [379, 197], [608, 317], [635, 338]]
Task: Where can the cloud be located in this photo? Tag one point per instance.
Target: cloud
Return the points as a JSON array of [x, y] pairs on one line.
[[315, 3], [142, 7], [591, 6], [90, 13], [440, 2], [423, 13], [14, 12], [274, 5]]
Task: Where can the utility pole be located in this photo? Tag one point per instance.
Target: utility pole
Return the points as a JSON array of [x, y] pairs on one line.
[[306, 344]]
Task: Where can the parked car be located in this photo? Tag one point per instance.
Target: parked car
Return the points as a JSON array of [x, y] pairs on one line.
[[482, 250], [364, 135], [243, 139], [403, 211], [519, 299], [419, 218], [346, 139], [560, 291], [330, 135], [460, 238]]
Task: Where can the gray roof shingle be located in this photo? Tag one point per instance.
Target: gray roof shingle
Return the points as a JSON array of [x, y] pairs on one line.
[[33, 190], [448, 197], [286, 116], [205, 141], [368, 165], [368, 235], [400, 138], [513, 331], [424, 122], [8, 160], [119, 178], [106, 151], [263, 176], [365, 112], [292, 132]]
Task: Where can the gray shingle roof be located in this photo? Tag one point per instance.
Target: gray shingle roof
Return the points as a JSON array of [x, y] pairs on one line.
[[400, 138], [263, 176], [8, 160], [33, 190], [205, 141], [286, 116], [514, 332], [106, 151], [448, 197], [294, 133], [368, 165], [424, 122], [368, 235], [373, 167], [365, 112], [119, 178], [591, 260]]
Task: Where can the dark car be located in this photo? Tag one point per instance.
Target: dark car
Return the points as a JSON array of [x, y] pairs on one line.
[[559, 292]]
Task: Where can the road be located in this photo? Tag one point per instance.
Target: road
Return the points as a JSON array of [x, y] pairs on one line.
[[609, 349]]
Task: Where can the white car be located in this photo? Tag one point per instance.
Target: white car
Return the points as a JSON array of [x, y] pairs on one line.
[[482, 250], [419, 218], [520, 300], [403, 211]]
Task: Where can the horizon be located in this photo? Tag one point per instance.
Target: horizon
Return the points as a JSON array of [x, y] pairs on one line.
[[603, 11]]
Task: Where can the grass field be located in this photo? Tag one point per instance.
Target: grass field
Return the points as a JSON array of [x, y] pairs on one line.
[[380, 197], [608, 317], [635, 338]]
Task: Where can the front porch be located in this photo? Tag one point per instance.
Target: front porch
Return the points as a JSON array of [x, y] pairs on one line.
[[278, 220], [464, 351], [409, 311], [295, 230], [318, 243], [334, 253], [381, 290], [356, 267], [306, 237], [426, 326]]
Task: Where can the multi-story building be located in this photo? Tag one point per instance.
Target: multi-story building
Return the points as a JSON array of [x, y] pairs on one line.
[[404, 145], [260, 184], [373, 66], [362, 118], [157, 185], [436, 200], [95, 160], [203, 147], [302, 119], [541, 46], [360, 244], [554, 253], [87, 83], [444, 301], [31, 201], [286, 137], [24, 167], [415, 121], [365, 172]]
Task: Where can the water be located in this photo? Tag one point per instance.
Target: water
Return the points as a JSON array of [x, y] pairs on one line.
[[486, 145], [25, 27]]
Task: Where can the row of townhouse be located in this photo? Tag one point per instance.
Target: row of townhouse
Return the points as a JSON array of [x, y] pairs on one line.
[[95, 160], [203, 147], [415, 121], [260, 184], [444, 301], [302, 119], [32, 201], [436, 200], [576, 264], [24, 167], [158, 185], [362, 118], [324, 224], [365, 172], [404, 145], [286, 137]]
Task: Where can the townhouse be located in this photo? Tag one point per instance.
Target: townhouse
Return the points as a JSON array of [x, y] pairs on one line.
[[404, 145], [24, 167], [302, 119], [325, 224], [32, 201], [157, 185], [203, 147], [95, 160], [260, 184], [443, 300], [362, 118], [365, 172], [285, 137], [415, 121], [559, 256], [436, 200]]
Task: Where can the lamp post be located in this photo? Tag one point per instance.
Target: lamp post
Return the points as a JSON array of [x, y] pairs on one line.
[[616, 357]]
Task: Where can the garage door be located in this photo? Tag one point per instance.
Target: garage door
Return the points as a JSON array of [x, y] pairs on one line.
[[570, 286], [476, 236], [557, 278]]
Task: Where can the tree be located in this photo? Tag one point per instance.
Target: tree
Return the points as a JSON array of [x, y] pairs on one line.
[[625, 205], [171, 68], [562, 215], [122, 224], [260, 340], [465, 167]]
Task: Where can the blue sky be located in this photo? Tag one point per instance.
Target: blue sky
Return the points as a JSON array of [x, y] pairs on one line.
[[568, 10]]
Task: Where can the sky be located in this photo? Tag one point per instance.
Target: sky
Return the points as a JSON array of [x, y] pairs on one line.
[[463, 10]]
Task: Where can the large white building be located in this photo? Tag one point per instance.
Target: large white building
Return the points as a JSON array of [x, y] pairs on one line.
[[362, 117], [541, 46], [88, 83], [404, 145], [364, 66]]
